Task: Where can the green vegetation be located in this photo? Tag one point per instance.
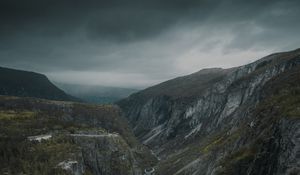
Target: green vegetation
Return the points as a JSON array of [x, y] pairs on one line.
[[222, 139], [212, 145], [289, 103], [22, 156], [286, 103], [16, 115], [19, 155], [21, 118], [239, 159]]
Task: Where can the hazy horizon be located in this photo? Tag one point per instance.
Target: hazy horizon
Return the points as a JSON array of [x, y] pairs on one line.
[[136, 44]]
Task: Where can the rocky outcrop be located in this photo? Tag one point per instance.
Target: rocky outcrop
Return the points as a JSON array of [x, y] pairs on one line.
[[194, 125], [72, 166], [53, 137], [106, 154]]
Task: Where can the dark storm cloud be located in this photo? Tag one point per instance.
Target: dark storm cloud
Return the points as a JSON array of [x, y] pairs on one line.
[[146, 40], [120, 20]]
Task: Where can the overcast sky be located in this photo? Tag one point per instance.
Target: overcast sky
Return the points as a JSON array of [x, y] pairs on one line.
[[137, 43]]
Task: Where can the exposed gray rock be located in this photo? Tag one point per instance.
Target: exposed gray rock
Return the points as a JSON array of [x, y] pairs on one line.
[[72, 166], [166, 122], [106, 154]]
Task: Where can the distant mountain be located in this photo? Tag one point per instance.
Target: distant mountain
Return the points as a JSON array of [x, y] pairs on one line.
[[30, 84], [96, 94]]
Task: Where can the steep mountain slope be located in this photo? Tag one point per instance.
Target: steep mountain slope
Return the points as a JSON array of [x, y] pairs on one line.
[[29, 84], [180, 91], [54, 137], [237, 121], [96, 94]]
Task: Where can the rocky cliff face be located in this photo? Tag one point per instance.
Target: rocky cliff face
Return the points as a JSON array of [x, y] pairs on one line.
[[106, 153], [51, 137], [229, 123]]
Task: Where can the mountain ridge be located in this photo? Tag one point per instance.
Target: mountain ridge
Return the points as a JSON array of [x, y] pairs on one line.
[[169, 125], [30, 84]]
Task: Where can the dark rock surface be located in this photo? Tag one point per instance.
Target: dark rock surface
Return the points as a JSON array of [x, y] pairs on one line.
[[217, 127], [30, 84]]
